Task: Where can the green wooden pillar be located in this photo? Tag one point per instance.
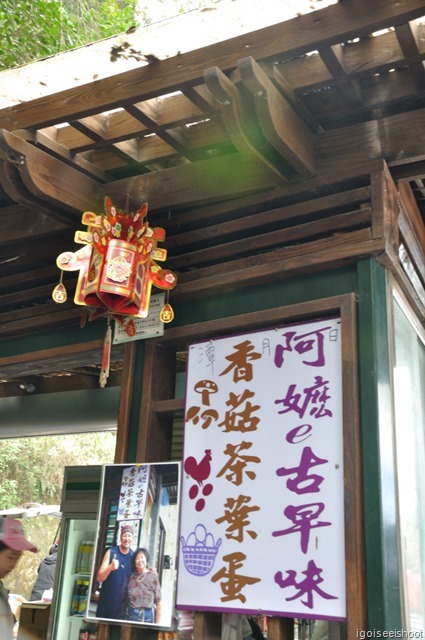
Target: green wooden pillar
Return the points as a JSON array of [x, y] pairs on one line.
[[378, 450]]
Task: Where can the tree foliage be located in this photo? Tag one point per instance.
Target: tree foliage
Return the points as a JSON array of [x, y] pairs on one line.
[[34, 29], [32, 471]]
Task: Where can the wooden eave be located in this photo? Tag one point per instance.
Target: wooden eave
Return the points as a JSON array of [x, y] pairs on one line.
[[259, 155]]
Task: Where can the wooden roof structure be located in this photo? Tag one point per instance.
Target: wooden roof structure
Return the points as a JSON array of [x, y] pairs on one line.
[[249, 152]]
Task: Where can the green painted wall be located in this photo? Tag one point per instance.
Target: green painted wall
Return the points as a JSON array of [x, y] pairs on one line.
[[379, 475], [367, 279]]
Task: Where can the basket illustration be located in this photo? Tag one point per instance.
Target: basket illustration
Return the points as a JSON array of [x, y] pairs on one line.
[[199, 551]]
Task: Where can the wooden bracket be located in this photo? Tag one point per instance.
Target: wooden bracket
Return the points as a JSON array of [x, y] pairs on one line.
[[241, 124], [49, 179], [261, 122], [282, 127]]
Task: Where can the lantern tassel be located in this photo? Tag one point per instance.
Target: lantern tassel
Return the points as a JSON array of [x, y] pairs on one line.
[[106, 356]]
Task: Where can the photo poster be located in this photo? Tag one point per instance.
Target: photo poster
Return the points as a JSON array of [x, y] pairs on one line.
[[133, 574], [262, 503]]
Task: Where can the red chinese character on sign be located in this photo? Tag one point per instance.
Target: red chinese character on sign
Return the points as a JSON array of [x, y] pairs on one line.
[[240, 361]]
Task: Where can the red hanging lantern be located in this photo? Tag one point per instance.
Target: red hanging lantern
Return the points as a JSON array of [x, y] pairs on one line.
[[118, 263], [118, 266]]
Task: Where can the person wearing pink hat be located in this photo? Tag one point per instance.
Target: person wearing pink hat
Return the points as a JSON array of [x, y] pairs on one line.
[[12, 543]]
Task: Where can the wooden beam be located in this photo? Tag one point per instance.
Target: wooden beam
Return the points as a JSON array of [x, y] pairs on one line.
[[19, 224], [393, 139], [155, 429], [232, 176], [45, 177], [216, 179], [326, 27]]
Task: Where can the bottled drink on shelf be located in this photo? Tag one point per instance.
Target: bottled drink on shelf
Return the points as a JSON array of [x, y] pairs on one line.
[[83, 599], [75, 603]]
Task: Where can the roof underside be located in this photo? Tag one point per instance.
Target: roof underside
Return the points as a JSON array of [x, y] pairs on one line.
[[210, 138]]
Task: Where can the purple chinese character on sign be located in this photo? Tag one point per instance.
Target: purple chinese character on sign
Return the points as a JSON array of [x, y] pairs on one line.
[[306, 586], [303, 517], [303, 482], [312, 341], [316, 395]]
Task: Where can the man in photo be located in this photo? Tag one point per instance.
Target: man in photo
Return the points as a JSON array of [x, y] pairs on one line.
[[114, 574]]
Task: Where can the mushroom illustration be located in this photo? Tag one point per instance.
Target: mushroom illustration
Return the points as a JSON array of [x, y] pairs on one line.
[[206, 388]]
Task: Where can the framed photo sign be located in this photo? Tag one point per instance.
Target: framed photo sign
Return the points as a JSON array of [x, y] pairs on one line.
[[133, 575]]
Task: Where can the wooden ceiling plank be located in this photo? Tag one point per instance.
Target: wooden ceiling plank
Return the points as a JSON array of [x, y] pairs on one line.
[[120, 126], [266, 218], [173, 137], [195, 183], [40, 318], [273, 239], [281, 125], [201, 97], [408, 39], [170, 111], [407, 172], [19, 223], [47, 141], [333, 57], [54, 358], [33, 295], [93, 127], [29, 277], [149, 149], [329, 26], [392, 138], [359, 59], [128, 150], [276, 265]]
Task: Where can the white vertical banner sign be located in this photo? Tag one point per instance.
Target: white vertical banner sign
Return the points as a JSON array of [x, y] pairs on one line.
[[134, 491], [262, 521]]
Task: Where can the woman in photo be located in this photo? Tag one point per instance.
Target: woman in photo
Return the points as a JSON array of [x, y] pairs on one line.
[[144, 590]]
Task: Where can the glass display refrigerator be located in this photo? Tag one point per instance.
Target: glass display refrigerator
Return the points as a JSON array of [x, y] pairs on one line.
[[79, 507]]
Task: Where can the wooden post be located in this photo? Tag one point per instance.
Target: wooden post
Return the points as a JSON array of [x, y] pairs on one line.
[[280, 628], [207, 626]]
